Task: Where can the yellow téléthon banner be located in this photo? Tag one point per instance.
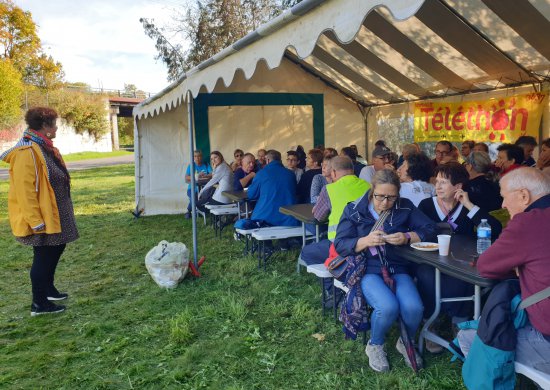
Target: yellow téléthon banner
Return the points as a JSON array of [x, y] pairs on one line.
[[493, 120]]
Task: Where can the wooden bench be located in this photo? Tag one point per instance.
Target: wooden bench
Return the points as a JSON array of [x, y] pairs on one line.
[[539, 377], [272, 233]]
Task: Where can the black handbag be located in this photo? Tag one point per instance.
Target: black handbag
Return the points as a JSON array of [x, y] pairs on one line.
[[338, 267]]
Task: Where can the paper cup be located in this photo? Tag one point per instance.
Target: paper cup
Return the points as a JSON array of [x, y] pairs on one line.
[[444, 241]]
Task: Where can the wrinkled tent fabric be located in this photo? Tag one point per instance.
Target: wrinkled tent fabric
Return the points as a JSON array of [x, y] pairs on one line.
[[378, 55]]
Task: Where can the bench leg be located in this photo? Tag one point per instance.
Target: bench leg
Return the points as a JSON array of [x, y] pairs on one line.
[[260, 244]]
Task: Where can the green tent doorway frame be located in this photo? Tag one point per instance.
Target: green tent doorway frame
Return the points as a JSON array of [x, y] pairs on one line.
[[203, 101]]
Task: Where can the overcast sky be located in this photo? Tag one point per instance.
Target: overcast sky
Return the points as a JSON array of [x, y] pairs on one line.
[[101, 42]]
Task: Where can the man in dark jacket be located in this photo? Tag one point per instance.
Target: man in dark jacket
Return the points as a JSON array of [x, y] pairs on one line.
[[522, 248], [274, 186]]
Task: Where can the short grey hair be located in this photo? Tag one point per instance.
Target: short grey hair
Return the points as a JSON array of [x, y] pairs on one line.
[[480, 161], [533, 180], [273, 155], [341, 163], [386, 176]]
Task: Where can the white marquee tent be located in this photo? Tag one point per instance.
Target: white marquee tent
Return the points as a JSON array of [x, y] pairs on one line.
[[338, 72]]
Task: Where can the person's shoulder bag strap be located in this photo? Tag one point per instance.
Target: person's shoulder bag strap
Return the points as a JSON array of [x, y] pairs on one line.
[[535, 298]]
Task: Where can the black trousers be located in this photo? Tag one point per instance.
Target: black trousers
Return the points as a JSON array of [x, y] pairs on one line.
[[43, 270]]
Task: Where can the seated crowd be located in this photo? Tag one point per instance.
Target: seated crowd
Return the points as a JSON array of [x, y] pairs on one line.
[[398, 200]]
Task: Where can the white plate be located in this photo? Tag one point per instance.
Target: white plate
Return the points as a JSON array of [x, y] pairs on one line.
[[425, 246]]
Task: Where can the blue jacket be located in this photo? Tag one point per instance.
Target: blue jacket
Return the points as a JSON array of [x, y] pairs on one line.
[[274, 186], [357, 221]]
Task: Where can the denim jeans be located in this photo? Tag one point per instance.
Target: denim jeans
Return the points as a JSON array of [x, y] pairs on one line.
[[316, 252], [388, 306], [533, 349]]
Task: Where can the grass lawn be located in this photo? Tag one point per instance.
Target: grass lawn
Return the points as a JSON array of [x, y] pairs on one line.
[[94, 155], [84, 156], [235, 328]]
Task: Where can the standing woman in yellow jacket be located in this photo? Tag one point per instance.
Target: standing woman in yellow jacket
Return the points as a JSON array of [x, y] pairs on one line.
[[39, 205]]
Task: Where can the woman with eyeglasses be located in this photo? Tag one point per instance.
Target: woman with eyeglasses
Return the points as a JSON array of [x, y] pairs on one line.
[[452, 205], [402, 224], [238, 154], [321, 180]]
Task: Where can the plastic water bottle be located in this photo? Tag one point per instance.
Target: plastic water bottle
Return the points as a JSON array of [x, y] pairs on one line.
[[483, 236]]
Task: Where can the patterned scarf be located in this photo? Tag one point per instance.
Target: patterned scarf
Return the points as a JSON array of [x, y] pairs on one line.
[[47, 143]]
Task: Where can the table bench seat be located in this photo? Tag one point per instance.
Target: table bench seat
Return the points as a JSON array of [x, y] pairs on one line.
[[272, 233], [218, 212], [539, 377]]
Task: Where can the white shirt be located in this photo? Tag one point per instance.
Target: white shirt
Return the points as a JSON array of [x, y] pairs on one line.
[[367, 173], [416, 191]]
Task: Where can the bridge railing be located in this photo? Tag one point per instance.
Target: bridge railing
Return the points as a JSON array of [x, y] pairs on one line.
[[138, 94]]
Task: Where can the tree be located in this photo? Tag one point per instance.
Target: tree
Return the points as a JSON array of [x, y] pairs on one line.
[[289, 3], [45, 73], [216, 24], [11, 90], [130, 90], [210, 26], [18, 39], [20, 44], [167, 53], [125, 131]]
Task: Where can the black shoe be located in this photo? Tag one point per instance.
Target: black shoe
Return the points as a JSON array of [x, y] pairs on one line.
[[57, 296], [47, 308], [187, 215]]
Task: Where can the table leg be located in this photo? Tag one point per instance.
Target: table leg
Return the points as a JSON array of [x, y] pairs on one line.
[[425, 333], [323, 295], [303, 234], [316, 233], [246, 209], [477, 302]]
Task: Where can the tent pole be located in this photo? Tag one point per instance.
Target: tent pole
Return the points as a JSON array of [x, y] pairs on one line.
[[191, 130]]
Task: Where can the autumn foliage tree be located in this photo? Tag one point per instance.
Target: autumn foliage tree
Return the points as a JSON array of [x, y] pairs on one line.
[[19, 42], [11, 89], [24, 65]]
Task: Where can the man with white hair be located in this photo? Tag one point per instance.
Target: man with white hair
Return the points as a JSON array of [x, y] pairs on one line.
[[523, 247]]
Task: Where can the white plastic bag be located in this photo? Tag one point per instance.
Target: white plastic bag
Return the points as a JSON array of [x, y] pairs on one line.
[[168, 263]]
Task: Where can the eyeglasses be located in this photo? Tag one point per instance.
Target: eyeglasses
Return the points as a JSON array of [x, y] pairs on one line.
[[237, 155], [389, 198]]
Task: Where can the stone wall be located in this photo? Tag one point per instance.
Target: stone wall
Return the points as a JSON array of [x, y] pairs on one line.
[[67, 140]]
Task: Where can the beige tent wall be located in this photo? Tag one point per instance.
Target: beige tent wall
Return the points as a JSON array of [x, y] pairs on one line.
[[250, 128], [162, 155], [394, 123], [283, 127]]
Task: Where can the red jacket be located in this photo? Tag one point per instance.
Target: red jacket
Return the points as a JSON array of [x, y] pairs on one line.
[[524, 244]]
